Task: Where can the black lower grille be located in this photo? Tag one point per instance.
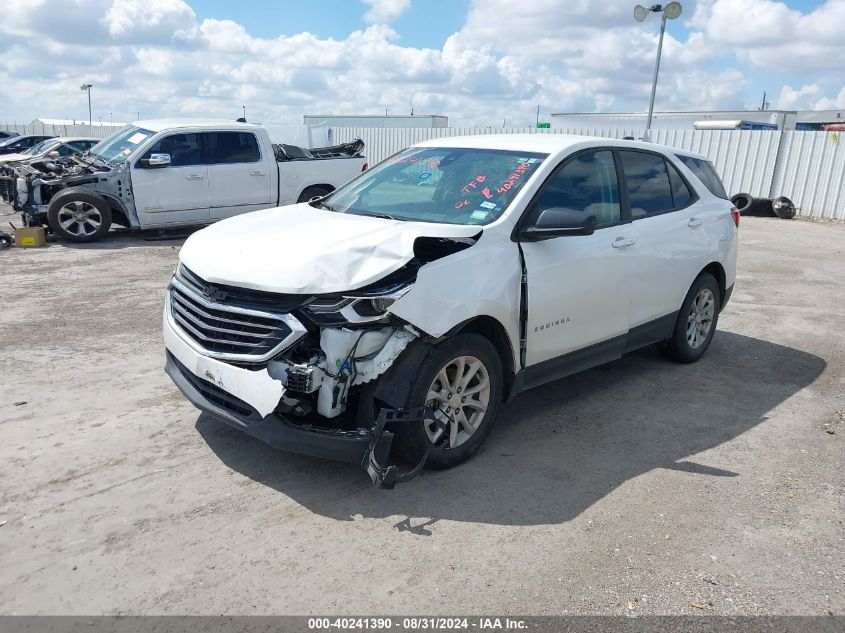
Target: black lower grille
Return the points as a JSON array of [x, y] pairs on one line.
[[7, 188], [216, 395]]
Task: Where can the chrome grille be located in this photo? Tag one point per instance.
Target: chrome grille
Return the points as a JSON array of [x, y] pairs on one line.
[[229, 332]]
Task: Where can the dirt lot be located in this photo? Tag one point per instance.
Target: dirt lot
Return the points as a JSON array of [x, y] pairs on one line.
[[640, 486]]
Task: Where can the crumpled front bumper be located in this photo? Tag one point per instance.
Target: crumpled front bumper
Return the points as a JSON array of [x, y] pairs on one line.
[[212, 397]]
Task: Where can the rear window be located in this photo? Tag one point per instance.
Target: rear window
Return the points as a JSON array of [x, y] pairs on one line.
[[233, 147], [706, 173], [649, 189]]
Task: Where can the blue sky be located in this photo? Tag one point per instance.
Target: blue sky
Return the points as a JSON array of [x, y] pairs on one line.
[[426, 24], [479, 62]]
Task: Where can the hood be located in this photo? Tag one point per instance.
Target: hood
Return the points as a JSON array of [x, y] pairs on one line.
[[298, 249], [9, 158]]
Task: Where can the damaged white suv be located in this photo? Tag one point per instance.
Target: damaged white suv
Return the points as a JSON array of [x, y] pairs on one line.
[[406, 306]]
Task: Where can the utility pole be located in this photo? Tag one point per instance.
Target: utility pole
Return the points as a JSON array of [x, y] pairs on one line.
[[244, 107], [763, 106], [87, 88], [537, 122]]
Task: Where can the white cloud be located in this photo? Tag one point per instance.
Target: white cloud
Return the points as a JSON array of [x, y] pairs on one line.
[[157, 57], [385, 11]]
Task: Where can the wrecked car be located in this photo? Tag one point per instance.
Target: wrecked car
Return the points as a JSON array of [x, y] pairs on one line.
[[400, 311], [176, 172]]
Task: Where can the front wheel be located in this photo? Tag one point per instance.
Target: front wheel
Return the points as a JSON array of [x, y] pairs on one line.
[[79, 216], [461, 380], [696, 322]]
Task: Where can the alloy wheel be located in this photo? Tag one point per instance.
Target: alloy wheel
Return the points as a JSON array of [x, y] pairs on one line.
[[80, 218], [700, 318], [459, 396]]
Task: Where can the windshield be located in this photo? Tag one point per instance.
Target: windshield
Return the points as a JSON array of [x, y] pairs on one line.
[[40, 147], [9, 141], [438, 184], [117, 147]]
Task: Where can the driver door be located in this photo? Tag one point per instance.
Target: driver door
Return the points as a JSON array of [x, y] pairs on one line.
[[579, 285], [176, 193]]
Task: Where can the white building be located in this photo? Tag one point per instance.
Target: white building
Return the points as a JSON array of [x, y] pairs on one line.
[[783, 119], [376, 121]]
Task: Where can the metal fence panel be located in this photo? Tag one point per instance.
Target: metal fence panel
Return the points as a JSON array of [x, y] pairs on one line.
[[79, 129], [812, 173]]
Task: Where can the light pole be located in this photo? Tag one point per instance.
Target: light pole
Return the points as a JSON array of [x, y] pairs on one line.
[[670, 11], [87, 88]]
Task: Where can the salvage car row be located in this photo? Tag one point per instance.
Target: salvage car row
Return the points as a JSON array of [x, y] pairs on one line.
[[171, 173]]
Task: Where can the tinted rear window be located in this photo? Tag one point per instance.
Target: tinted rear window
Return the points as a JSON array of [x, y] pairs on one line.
[[648, 184], [233, 147], [706, 173], [680, 192]]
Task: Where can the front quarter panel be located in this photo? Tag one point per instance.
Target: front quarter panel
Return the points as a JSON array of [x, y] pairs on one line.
[[483, 280]]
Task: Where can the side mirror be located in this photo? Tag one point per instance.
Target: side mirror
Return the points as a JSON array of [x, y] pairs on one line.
[[155, 161], [53, 154], [559, 222]]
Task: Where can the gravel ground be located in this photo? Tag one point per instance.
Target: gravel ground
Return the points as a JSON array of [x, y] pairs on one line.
[[638, 487]]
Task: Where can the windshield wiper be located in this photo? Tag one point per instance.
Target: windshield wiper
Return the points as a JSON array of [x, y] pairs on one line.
[[320, 204], [383, 216]]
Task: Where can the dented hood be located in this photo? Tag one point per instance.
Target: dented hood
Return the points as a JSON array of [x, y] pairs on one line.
[[298, 249]]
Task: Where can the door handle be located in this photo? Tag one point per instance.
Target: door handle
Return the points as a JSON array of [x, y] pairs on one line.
[[622, 242], [194, 177], [694, 222], [257, 173]]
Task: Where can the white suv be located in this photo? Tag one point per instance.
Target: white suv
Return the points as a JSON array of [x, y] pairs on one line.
[[406, 306]]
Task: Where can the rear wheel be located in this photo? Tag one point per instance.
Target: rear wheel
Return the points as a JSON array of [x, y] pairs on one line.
[[696, 322], [313, 192], [461, 380], [79, 216]]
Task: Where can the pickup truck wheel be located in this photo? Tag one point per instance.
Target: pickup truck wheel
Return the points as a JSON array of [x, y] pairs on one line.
[[312, 192], [696, 322], [462, 381], [79, 216]]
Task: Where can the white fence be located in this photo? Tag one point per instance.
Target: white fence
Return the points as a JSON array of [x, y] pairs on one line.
[[79, 129], [807, 167]]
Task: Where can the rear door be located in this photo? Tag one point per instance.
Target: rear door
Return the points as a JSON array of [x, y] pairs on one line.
[[673, 244], [578, 286], [239, 179], [178, 193]]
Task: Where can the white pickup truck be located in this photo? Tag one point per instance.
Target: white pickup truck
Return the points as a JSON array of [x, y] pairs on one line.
[[176, 172]]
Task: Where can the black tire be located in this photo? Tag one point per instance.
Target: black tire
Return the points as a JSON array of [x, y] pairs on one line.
[[743, 202], [88, 204], [412, 440], [783, 208], [312, 192], [679, 347]]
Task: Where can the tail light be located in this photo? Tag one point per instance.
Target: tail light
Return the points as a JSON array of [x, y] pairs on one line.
[[735, 216], [365, 167]]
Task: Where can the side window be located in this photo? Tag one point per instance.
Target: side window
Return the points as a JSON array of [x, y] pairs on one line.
[[680, 192], [65, 149], [706, 173], [648, 184], [81, 145], [184, 149], [587, 184], [233, 147]]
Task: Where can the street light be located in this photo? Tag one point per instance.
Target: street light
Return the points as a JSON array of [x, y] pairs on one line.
[[87, 88], [670, 11]]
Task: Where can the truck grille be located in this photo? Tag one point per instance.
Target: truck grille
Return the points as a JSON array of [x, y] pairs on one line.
[[230, 332]]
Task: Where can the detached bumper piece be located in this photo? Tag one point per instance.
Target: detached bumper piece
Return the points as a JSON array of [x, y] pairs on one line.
[[275, 430], [386, 477]]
